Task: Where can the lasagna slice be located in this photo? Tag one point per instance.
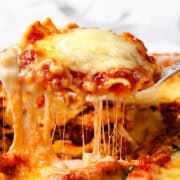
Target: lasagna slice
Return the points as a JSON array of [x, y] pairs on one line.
[[49, 62], [152, 121], [147, 115], [86, 60]]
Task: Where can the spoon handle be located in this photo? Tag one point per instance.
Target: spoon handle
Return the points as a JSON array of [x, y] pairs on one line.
[[168, 72]]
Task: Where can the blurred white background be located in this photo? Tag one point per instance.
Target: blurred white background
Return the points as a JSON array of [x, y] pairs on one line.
[[156, 22]]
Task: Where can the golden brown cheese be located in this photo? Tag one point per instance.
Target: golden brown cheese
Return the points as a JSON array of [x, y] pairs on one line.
[[89, 60], [91, 51]]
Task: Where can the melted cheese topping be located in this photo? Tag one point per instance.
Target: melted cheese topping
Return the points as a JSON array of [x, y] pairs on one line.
[[82, 50], [29, 139], [32, 140], [92, 50], [87, 60]]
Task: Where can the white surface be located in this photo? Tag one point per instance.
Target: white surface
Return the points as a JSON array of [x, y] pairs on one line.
[[154, 21]]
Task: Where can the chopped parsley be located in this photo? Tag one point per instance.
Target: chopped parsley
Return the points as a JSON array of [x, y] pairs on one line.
[[175, 148], [130, 168]]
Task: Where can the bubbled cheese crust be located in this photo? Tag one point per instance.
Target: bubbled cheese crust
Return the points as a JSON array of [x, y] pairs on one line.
[[92, 50], [105, 62]]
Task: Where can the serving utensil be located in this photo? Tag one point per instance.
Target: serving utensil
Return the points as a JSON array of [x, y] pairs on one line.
[[166, 74]]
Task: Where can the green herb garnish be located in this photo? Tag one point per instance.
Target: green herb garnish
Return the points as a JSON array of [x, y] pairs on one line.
[[175, 148], [130, 168]]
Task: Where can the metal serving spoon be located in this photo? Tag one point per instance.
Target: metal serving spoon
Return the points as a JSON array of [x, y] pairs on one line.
[[167, 73]]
